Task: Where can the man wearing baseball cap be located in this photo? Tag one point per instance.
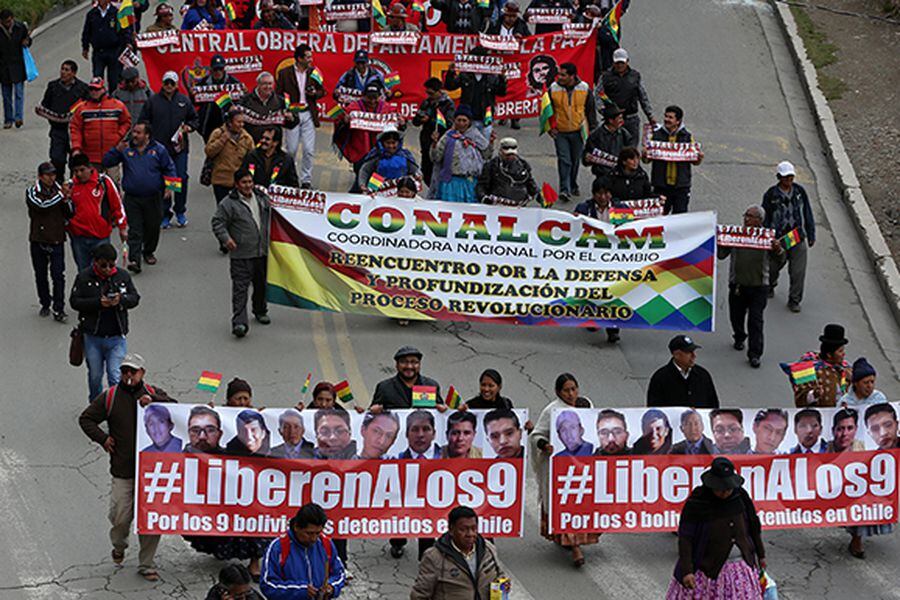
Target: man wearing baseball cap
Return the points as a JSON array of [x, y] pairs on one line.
[[354, 81], [623, 86], [172, 117], [211, 116], [98, 123], [788, 210], [681, 381]]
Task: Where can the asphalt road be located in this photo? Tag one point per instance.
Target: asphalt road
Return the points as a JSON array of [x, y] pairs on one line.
[[724, 61]]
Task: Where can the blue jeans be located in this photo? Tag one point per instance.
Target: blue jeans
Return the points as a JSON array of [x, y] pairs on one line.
[[100, 353], [181, 170], [13, 101], [82, 247], [568, 156]]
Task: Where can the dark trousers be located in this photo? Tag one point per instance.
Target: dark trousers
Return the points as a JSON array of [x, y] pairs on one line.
[[59, 150], [52, 257], [108, 61], [424, 544], [220, 191], [633, 126], [356, 188], [341, 546], [677, 199], [181, 170], [144, 217], [244, 272], [747, 304], [795, 258]]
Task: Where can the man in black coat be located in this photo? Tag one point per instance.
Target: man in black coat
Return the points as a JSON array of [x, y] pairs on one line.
[[479, 92], [60, 96], [682, 382], [436, 99], [13, 37], [673, 179], [269, 164], [102, 33], [396, 392], [463, 16]]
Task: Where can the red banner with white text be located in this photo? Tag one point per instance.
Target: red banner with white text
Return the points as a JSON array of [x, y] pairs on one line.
[[527, 70], [230, 471]]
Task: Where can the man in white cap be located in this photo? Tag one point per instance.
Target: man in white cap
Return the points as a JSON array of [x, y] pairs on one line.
[[787, 210], [118, 408], [623, 87], [172, 117], [507, 176]]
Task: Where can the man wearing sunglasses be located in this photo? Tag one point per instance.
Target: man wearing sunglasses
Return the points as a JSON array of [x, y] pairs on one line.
[[118, 408]]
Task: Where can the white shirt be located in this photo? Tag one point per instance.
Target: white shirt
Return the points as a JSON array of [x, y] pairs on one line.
[[684, 373], [253, 206], [506, 32], [301, 83]]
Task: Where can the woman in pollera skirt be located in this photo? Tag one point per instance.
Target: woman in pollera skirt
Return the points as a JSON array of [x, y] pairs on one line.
[[720, 549]]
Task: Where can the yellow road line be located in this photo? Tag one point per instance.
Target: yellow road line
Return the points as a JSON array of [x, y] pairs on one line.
[[323, 350], [357, 384]]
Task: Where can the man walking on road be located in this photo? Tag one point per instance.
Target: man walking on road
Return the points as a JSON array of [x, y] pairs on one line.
[[622, 86], [103, 295], [59, 98], [172, 117], [13, 37], [98, 209], [602, 147], [673, 179], [102, 34], [48, 211], [303, 88], [98, 124], [269, 164], [788, 210], [748, 287], [261, 102], [244, 215], [573, 107], [117, 406], [681, 381], [133, 92], [146, 164]]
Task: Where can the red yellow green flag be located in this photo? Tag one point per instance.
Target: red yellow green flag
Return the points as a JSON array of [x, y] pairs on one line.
[[316, 76], [342, 389], [546, 117], [424, 396], [375, 182], [335, 111], [173, 183], [224, 100], [209, 381], [125, 14], [790, 239], [378, 13], [440, 119], [613, 19], [453, 399], [306, 384], [549, 196]]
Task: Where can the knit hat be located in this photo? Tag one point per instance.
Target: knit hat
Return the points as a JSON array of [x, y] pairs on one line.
[[861, 369], [237, 385], [464, 110]]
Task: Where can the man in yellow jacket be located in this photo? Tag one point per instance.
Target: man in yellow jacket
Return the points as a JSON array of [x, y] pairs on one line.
[[576, 116]]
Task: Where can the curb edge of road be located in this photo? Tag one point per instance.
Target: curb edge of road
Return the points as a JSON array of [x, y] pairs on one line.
[[866, 225], [43, 27]]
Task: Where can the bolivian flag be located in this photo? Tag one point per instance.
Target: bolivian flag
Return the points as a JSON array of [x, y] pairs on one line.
[[790, 239], [335, 111], [316, 76], [617, 216], [392, 79], [453, 399], [800, 372], [173, 183], [209, 381], [343, 392], [375, 182], [378, 13], [546, 117], [613, 19], [424, 396], [125, 14], [224, 100]]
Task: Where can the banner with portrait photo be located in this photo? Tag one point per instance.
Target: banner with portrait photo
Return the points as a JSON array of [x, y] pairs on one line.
[[247, 52], [403, 259], [233, 471], [631, 470]]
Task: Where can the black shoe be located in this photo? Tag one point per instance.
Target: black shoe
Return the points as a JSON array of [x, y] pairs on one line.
[[793, 307], [262, 319], [44, 312], [19, 123], [397, 551], [612, 337], [576, 191], [239, 331], [754, 362], [514, 124], [223, 249], [60, 317], [564, 198], [306, 185], [134, 267], [771, 293], [738, 345], [150, 259]]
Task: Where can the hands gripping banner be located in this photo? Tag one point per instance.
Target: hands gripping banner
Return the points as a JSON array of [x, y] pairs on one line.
[[233, 471], [631, 470]]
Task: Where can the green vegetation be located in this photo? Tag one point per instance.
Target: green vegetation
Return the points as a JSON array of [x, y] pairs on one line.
[[821, 52], [31, 11]]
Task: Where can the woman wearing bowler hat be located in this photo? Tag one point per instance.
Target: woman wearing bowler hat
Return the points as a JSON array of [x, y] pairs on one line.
[[833, 373], [720, 549]]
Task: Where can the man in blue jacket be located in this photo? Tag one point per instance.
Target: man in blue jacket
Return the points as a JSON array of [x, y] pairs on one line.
[[145, 164], [102, 33], [302, 563]]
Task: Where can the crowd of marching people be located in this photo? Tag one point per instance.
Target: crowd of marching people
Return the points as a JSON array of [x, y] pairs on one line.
[[125, 144]]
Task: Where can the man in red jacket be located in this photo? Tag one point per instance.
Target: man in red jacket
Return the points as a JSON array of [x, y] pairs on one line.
[[98, 208], [98, 123]]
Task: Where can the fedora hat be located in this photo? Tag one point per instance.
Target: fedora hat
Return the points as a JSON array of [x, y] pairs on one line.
[[721, 475], [834, 334]]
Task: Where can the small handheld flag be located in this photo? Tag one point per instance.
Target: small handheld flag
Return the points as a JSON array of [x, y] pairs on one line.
[[424, 396], [453, 399], [342, 389], [418, 6], [548, 195], [209, 381], [306, 384], [614, 18], [546, 117], [224, 100], [440, 119], [375, 182], [335, 111], [229, 10], [617, 216], [484, 3], [392, 79], [316, 76], [800, 372], [790, 239], [275, 173], [378, 13], [125, 14], [488, 116], [173, 183]]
